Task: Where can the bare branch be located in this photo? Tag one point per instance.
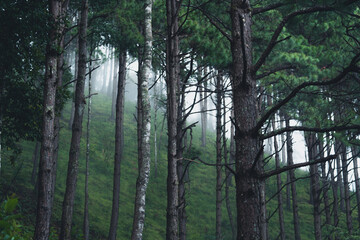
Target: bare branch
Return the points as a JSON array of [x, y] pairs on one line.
[[274, 70], [310, 129], [267, 8], [298, 165]]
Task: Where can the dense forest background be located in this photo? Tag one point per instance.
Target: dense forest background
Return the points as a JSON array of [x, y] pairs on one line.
[[176, 119]]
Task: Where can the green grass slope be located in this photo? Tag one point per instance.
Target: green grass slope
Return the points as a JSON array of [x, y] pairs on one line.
[[15, 178]]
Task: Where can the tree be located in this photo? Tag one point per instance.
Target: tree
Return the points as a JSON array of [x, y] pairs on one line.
[[46, 169], [73, 164], [144, 124]]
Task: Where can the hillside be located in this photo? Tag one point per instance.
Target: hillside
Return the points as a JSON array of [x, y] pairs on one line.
[[15, 178]]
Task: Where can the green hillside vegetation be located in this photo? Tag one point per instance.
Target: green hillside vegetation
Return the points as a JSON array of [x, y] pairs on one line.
[[15, 179]]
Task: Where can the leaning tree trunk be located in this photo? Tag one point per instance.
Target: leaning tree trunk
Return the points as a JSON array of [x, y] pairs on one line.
[[119, 145], [290, 161], [144, 124], [219, 94], [325, 181], [71, 180], [339, 175], [46, 175], [172, 79], [248, 185]]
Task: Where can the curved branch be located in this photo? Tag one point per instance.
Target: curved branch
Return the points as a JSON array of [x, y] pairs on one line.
[[298, 165], [279, 29], [351, 68], [310, 129]]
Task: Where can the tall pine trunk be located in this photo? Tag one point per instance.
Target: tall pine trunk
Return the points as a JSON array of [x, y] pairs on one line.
[[312, 145], [119, 145], [290, 161], [172, 80], [47, 164], [345, 172], [87, 158], [73, 165], [144, 124], [219, 94], [355, 154], [247, 141]]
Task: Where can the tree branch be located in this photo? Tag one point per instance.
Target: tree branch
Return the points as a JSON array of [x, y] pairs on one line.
[[267, 8], [351, 68], [279, 29], [298, 165], [274, 70], [310, 129]]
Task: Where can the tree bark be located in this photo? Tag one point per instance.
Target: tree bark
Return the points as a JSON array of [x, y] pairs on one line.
[[227, 172], [172, 80], [119, 145], [245, 113], [87, 158], [278, 181], [312, 145], [325, 182], [218, 90], [144, 124], [73, 165], [203, 106], [114, 89], [46, 175], [290, 162], [339, 175]]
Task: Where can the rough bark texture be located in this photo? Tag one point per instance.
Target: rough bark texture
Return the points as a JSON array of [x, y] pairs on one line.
[[119, 145], [172, 79], [218, 91], [290, 162], [44, 201], [73, 165], [144, 123], [245, 112]]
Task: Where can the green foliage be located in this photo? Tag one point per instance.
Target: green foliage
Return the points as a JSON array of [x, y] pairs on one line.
[[10, 228]]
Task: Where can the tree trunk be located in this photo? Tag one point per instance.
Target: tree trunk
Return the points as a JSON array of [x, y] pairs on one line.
[[245, 113], [119, 145], [46, 165], [172, 79], [333, 184], [203, 106], [71, 120], [144, 124], [312, 145], [71, 180], [278, 181], [339, 174], [227, 173], [111, 73], [325, 182], [290, 162], [346, 188], [219, 94], [87, 158], [114, 89], [355, 155]]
